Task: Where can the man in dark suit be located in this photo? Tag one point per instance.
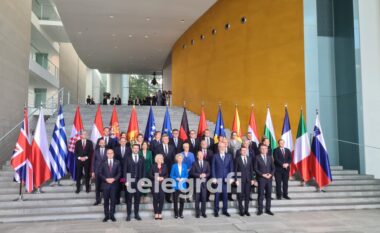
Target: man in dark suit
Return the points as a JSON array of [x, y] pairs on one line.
[[155, 142], [99, 157], [208, 155], [83, 152], [266, 142], [176, 141], [134, 171], [110, 142], [264, 168], [252, 144], [222, 167], [109, 172], [282, 159], [168, 152], [201, 172], [193, 142], [215, 149], [121, 154], [209, 140], [244, 170]]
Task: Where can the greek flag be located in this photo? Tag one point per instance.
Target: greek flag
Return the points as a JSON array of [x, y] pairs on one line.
[[58, 148]]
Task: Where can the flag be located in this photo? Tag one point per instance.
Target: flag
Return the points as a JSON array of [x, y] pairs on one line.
[[184, 127], [97, 128], [58, 148], [219, 126], [320, 165], [302, 150], [269, 130], [236, 125], [167, 125], [21, 157], [150, 129], [286, 135], [252, 128], [41, 158], [133, 127], [74, 137], [202, 126], [114, 123]]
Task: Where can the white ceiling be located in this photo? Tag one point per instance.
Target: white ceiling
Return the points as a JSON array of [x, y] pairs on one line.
[[110, 35]]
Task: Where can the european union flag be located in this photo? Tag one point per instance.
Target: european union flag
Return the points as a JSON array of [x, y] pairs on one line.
[[219, 126], [167, 126], [150, 126]]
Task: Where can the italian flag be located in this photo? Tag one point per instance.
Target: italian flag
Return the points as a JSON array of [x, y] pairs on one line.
[[269, 131], [302, 150]]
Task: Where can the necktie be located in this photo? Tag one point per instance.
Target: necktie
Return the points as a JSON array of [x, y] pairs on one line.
[[208, 141], [201, 164], [204, 154], [265, 159], [166, 149], [192, 141], [244, 160], [122, 151], [110, 165], [106, 140], [283, 152], [176, 142], [84, 143], [135, 158], [102, 152], [222, 156]]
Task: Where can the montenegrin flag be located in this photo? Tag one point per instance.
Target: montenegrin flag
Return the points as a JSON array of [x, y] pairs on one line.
[[97, 128], [252, 128], [114, 124], [320, 165], [133, 127], [202, 126], [236, 125], [301, 157], [269, 131], [41, 158]]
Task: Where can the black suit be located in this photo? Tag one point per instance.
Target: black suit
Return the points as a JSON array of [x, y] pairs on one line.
[[83, 152], [109, 190], [211, 142], [98, 160], [136, 171], [245, 168], [122, 158], [179, 147], [111, 144], [281, 174], [261, 167], [168, 160], [153, 146], [193, 146], [200, 195], [158, 193]]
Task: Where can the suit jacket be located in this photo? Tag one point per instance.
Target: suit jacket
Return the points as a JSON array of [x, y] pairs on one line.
[[104, 173], [98, 160], [261, 168], [153, 146], [280, 159], [246, 171], [154, 170], [193, 148], [179, 147], [253, 146], [209, 156], [169, 157], [135, 170], [84, 152], [148, 161], [122, 158], [211, 146], [196, 170], [174, 174], [112, 143], [221, 168]]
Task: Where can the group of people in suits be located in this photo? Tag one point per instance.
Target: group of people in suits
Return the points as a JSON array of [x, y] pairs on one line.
[[219, 167]]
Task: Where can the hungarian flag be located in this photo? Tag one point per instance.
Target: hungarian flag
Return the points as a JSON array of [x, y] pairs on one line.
[[301, 157], [236, 125], [97, 128], [114, 124], [287, 136], [252, 128], [74, 137], [269, 131], [202, 126], [184, 128], [41, 158], [133, 128], [320, 165], [219, 126]]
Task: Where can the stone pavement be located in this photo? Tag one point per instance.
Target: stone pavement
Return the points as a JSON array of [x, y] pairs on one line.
[[327, 221]]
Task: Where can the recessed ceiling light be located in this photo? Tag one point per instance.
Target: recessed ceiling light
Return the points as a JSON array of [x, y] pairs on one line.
[[182, 20], [146, 36], [130, 35], [113, 34], [147, 19], [80, 33], [111, 16], [115, 47]]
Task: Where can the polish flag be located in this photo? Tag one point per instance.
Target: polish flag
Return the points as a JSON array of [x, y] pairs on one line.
[[41, 158], [97, 128]]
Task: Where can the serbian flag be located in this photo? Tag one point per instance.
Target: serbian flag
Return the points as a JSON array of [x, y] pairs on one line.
[[287, 136], [97, 128], [20, 160], [74, 137], [301, 156], [41, 158], [133, 127], [236, 125], [184, 127], [320, 165], [114, 124], [202, 126], [252, 128]]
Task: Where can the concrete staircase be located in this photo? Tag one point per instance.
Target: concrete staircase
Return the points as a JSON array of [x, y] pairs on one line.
[[349, 189]]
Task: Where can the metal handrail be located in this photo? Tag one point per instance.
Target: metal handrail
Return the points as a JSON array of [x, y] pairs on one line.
[[49, 62]]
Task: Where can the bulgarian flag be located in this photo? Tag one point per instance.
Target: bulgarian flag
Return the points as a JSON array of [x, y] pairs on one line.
[[252, 127], [301, 156], [269, 131], [133, 128], [236, 125]]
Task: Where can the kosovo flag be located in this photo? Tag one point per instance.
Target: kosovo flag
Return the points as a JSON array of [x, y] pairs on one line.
[[150, 127], [167, 126], [219, 126]]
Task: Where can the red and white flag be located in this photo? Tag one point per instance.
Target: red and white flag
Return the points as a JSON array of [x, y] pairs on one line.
[[252, 128], [97, 128]]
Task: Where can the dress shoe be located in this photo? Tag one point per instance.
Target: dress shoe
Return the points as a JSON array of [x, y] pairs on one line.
[[269, 212], [168, 201], [97, 203], [287, 197], [113, 219], [197, 215], [251, 199], [176, 216], [278, 198], [204, 215], [77, 191], [87, 190], [247, 214], [241, 213], [137, 217], [105, 219], [181, 216], [128, 218], [216, 214], [226, 214], [260, 212]]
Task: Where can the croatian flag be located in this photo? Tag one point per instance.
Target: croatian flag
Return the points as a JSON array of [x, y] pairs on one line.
[[150, 129], [320, 165], [20, 160], [74, 137], [58, 148]]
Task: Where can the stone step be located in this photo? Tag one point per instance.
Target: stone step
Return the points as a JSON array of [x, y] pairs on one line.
[[352, 187], [344, 172]]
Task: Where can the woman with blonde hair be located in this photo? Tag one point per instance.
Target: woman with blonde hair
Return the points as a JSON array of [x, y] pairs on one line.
[[179, 173], [158, 173]]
